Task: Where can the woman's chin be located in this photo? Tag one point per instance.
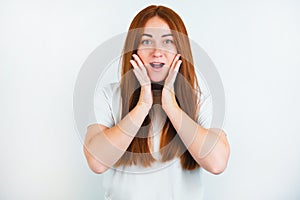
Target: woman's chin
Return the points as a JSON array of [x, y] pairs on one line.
[[157, 80]]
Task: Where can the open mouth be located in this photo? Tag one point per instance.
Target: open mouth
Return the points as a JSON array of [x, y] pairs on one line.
[[157, 65]]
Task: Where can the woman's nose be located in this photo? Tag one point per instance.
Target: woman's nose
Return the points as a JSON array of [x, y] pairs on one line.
[[157, 52]]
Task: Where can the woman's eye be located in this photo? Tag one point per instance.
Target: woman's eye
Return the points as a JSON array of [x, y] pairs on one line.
[[168, 41], [146, 42]]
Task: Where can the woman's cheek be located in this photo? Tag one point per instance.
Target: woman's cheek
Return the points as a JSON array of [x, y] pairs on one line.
[[142, 55]]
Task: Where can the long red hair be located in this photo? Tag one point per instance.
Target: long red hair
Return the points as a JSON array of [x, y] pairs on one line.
[[185, 89]]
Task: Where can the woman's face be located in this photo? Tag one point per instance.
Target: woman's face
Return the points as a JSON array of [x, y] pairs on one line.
[[157, 48]]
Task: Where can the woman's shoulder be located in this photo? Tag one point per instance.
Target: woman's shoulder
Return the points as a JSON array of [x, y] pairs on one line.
[[110, 86], [110, 89]]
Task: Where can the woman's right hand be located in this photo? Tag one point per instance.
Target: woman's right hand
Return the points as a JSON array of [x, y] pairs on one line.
[[144, 80]]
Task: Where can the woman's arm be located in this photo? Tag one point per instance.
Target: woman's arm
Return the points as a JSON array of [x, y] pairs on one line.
[[209, 147], [103, 146]]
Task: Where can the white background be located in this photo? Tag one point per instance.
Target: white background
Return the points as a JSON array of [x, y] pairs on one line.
[[255, 46]]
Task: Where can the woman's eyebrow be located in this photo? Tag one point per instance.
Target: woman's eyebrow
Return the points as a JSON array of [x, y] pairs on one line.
[[149, 35], [166, 35], [145, 34]]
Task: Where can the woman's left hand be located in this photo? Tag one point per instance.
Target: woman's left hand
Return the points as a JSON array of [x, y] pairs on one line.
[[168, 95]]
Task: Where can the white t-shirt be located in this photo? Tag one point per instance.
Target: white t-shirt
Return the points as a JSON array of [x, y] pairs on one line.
[[161, 181]]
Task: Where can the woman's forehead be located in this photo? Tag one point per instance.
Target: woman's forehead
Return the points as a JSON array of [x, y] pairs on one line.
[[156, 32]]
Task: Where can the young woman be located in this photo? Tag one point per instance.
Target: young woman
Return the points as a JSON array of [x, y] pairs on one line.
[[148, 141]]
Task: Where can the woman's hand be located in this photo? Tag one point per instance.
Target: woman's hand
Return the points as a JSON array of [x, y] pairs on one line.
[[144, 80], [168, 95]]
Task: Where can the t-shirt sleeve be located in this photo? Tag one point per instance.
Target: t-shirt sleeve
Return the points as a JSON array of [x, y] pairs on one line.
[[205, 110], [102, 111]]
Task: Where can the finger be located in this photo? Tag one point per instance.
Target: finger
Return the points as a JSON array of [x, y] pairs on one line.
[[138, 60], [140, 75], [140, 64], [178, 65], [173, 74], [176, 58], [141, 70], [134, 64], [136, 69]]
